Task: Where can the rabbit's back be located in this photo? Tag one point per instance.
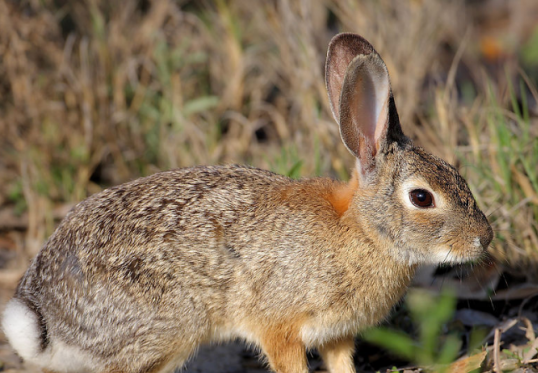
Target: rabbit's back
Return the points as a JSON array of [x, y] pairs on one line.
[[176, 253]]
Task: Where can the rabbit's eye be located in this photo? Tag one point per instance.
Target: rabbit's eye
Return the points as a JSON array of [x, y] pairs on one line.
[[421, 198]]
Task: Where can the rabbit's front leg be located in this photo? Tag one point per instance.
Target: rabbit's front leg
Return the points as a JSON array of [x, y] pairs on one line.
[[338, 355], [285, 352]]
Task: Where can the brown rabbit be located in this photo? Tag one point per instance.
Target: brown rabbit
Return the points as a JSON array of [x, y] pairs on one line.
[[138, 276]]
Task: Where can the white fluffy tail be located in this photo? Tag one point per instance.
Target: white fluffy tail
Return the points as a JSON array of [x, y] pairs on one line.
[[22, 329]]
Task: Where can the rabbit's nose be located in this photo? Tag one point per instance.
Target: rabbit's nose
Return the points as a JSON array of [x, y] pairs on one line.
[[486, 239]]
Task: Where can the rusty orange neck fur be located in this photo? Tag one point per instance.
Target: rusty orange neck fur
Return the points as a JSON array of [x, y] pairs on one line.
[[342, 195]]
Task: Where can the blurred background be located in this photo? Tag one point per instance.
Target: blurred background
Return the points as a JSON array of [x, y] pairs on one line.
[[95, 93]]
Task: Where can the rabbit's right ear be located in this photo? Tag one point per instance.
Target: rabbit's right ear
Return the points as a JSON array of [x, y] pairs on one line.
[[361, 99]]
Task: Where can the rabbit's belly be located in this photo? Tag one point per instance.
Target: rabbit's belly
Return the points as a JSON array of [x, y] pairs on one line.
[[224, 334], [318, 332]]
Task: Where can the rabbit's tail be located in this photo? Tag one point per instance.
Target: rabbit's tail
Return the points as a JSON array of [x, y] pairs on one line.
[[25, 329]]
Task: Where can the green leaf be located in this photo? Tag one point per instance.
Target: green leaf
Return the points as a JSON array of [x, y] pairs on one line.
[[450, 350], [394, 341], [295, 170], [200, 104]]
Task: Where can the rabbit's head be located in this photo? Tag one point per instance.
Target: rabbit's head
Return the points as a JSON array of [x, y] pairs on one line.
[[413, 203]]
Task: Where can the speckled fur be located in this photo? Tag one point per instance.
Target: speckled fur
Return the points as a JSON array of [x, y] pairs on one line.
[[138, 276]]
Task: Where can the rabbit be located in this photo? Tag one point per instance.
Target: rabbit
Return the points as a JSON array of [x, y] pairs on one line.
[[138, 276]]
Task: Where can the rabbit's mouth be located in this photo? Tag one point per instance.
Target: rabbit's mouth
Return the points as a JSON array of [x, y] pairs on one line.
[[458, 253], [446, 253]]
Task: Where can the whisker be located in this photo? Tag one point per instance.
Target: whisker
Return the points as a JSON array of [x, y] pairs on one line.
[[493, 212], [448, 254]]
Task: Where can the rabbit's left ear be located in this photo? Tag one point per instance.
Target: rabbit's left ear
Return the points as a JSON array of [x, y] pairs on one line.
[[361, 98]]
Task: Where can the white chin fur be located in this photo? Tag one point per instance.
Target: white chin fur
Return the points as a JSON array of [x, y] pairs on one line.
[[438, 255], [444, 256]]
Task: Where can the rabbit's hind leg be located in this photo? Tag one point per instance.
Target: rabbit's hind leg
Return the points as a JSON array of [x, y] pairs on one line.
[[156, 366], [151, 361]]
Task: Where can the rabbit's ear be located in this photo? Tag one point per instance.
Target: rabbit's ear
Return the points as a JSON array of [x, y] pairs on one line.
[[343, 48], [361, 98]]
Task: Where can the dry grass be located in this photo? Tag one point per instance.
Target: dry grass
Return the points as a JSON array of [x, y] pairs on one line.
[[95, 93]]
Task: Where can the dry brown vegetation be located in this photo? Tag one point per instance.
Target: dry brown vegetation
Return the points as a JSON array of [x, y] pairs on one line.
[[95, 93]]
